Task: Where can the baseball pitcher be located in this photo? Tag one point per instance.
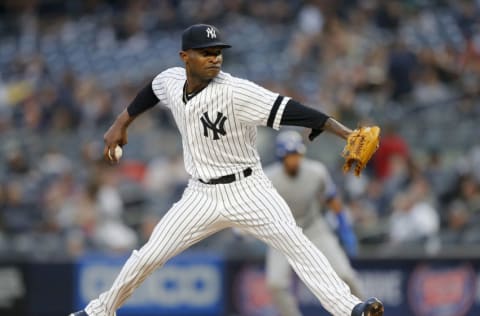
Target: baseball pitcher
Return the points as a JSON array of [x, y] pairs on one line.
[[217, 115]]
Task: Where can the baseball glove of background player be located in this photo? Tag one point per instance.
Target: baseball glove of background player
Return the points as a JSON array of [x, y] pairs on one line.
[[361, 145]]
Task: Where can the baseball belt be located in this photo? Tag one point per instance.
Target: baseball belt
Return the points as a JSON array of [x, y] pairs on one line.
[[229, 178]]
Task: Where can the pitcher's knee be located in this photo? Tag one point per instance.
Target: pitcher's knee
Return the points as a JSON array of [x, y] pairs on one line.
[[146, 262], [293, 237]]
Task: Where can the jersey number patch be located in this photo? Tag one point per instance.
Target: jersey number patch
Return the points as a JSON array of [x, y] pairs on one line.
[[217, 127]]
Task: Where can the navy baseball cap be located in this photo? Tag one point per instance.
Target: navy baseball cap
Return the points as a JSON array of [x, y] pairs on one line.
[[201, 36]]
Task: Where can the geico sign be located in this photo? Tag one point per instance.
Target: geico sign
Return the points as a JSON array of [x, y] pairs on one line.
[[196, 285]]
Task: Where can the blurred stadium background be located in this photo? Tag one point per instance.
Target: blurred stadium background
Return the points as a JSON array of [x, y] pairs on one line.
[[67, 219]]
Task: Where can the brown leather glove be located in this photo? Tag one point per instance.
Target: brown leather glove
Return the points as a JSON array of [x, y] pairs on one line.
[[361, 145]]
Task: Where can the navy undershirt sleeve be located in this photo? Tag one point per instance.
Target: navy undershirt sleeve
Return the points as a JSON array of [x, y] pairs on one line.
[[297, 114], [144, 100]]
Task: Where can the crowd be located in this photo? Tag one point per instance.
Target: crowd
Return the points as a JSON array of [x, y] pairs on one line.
[[68, 67]]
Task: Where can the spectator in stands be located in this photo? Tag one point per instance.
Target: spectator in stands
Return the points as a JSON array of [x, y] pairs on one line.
[[166, 176], [436, 172], [470, 193], [392, 145], [111, 232], [429, 90], [457, 220], [473, 162], [414, 217], [402, 65], [64, 71], [19, 212], [388, 15]]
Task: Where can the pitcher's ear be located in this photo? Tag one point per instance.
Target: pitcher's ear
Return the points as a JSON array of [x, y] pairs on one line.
[[183, 55]]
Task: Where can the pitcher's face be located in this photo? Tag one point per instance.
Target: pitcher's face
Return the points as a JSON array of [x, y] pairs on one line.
[[203, 63]]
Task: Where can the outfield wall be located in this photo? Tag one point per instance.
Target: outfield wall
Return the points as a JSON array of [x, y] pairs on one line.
[[199, 284]]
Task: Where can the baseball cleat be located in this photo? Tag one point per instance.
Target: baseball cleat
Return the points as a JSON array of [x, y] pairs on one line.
[[79, 313], [371, 307]]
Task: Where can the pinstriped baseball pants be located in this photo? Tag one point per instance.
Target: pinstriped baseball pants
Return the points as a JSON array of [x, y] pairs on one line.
[[253, 206]]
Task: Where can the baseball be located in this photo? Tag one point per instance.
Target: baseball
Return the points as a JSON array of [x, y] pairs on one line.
[[117, 153]]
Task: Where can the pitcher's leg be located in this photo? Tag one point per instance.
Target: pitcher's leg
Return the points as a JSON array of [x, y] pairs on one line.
[[279, 280], [311, 266], [264, 214], [188, 221]]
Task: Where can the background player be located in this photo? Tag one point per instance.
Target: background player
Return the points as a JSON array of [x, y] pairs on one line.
[[305, 185], [217, 115]]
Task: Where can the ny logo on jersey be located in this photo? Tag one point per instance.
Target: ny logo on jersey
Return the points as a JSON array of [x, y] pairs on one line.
[[211, 33], [217, 127]]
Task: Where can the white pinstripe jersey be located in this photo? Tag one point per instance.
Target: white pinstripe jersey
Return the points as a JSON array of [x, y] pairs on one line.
[[218, 125], [304, 192]]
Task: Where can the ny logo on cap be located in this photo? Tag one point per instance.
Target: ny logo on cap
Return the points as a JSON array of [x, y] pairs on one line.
[[211, 32]]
